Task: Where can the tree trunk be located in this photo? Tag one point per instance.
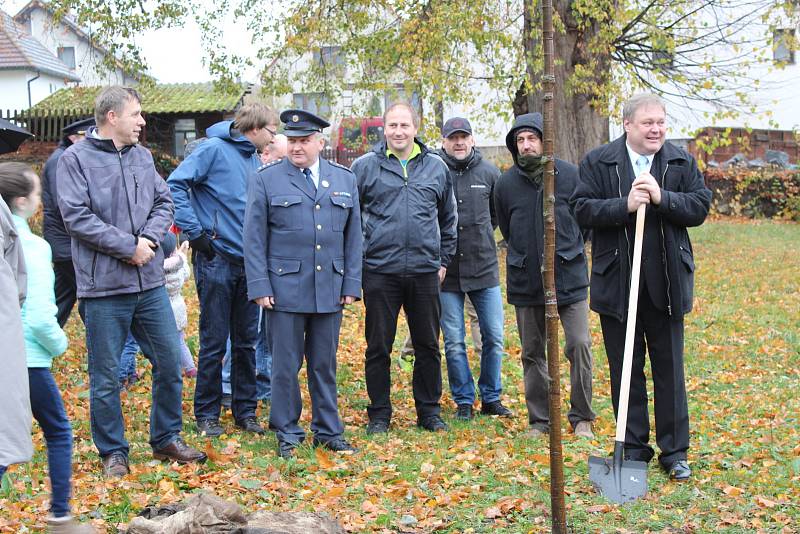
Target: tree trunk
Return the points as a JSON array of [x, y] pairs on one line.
[[578, 127], [549, 92]]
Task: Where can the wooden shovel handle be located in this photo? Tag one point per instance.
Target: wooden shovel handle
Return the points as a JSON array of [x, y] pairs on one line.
[[630, 327]]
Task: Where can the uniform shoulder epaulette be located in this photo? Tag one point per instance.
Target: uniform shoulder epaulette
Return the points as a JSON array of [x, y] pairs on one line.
[[335, 164], [270, 164]]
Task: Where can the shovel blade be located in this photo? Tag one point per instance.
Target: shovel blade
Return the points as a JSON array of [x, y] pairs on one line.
[[618, 481]]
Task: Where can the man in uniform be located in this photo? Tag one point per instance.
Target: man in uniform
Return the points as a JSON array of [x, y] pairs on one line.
[[642, 168], [303, 262], [54, 231]]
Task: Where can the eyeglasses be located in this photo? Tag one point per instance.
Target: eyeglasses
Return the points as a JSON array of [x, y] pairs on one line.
[[271, 131]]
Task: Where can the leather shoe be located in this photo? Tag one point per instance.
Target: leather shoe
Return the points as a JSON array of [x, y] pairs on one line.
[[335, 445], [433, 423], [250, 424], [495, 408], [115, 465], [584, 430], [535, 433], [378, 426], [286, 449], [210, 428], [679, 470], [464, 412], [179, 451]]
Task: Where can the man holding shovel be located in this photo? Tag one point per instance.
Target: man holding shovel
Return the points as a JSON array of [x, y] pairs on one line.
[[642, 168]]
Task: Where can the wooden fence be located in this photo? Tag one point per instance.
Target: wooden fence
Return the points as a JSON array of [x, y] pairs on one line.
[[45, 125]]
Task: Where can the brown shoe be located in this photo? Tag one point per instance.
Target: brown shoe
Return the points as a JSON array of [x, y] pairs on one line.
[[179, 451], [67, 525], [115, 465]]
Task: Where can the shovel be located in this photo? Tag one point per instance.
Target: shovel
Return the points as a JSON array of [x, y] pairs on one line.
[[615, 478]]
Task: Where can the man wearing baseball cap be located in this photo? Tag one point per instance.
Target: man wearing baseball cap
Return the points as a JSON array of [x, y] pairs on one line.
[[472, 273]]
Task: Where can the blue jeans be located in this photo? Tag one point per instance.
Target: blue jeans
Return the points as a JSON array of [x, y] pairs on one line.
[[263, 363], [488, 304], [225, 311], [48, 410], [148, 315], [127, 360]]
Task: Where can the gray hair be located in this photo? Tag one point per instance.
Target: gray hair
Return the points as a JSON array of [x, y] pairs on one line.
[[634, 103], [113, 98]]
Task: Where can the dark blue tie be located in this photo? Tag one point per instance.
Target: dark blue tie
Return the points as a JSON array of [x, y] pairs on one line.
[[307, 172]]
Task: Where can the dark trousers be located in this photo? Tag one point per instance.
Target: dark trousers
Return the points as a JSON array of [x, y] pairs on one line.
[[48, 410], [384, 294], [578, 348], [225, 311], [662, 337], [317, 336], [66, 289]]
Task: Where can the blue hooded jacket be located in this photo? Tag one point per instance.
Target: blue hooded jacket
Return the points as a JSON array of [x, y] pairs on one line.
[[209, 189]]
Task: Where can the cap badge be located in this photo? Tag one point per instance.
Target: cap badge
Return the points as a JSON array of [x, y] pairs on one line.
[[295, 118]]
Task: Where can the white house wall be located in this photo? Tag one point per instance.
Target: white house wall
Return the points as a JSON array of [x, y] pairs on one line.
[[87, 58], [14, 88]]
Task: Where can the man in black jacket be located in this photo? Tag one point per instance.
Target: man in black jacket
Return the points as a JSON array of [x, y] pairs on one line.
[[519, 204], [474, 273], [615, 179], [408, 216], [54, 231]]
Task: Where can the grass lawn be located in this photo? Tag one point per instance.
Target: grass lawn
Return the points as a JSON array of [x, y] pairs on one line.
[[743, 376]]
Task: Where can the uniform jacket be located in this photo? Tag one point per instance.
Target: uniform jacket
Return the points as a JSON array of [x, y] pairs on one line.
[[303, 247], [520, 216], [15, 416], [474, 265], [600, 203], [408, 218], [44, 338], [108, 198], [210, 188], [53, 226]]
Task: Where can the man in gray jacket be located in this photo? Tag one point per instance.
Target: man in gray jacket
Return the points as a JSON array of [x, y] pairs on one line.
[[116, 209], [409, 224]]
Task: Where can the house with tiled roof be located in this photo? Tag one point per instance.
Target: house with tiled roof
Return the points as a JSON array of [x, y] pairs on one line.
[[73, 45], [29, 72]]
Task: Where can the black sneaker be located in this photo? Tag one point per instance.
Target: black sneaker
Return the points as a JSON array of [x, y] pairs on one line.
[[464, 412], [250, 424], [210, 428], [335, 445], [433, 423], [378, 426], [496, 408]]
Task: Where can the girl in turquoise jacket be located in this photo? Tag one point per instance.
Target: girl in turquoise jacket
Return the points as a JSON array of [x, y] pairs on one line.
[[44, 339]]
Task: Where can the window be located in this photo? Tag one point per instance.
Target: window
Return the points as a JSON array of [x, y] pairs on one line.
[[67, 56], [316, 103], [328, 56], [783, 46], [185, 133], [374, 134]]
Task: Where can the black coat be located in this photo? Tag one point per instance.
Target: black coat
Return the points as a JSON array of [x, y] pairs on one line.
[[475, 263], [519, 206], [600, 203], [53, 225]]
